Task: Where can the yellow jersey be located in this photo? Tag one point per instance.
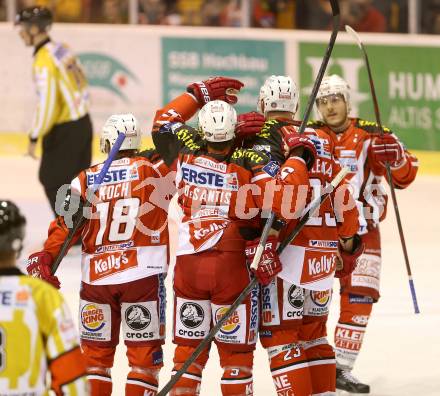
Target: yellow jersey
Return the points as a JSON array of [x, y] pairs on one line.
[[61, 86], [37, 335]]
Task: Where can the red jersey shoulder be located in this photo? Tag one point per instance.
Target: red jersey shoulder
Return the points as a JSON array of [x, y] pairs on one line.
[[370, 127]]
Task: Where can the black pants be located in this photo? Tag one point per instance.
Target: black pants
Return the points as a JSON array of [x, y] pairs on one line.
[[67, 150]]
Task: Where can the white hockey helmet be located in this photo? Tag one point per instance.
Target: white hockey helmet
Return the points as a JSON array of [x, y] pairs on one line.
[[217, 121], [117, 123], [334, 85], [278, 93]]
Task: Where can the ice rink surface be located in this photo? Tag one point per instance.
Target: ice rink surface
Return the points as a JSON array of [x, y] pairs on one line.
[[401, 352]]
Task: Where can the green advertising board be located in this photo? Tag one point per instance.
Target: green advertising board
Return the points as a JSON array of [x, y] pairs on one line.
[[407, 82], [185, 60]]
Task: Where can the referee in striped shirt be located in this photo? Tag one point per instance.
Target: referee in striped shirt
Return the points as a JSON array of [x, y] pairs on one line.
[[62, 115]]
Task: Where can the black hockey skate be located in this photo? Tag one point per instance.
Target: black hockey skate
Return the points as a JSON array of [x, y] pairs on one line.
[[347, 382]]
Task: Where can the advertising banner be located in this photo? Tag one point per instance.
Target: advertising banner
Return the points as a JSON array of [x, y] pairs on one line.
[[406, 79], [185, 60]]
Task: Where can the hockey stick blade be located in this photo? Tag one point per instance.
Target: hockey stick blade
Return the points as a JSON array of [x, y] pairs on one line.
[[80, 219], [358, 40]]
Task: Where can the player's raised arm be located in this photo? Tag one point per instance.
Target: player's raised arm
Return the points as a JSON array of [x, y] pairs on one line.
[[170, 133]]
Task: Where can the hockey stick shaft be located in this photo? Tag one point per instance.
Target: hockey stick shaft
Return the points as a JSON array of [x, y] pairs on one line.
[[336, 24], [80, 219], [354, 34]]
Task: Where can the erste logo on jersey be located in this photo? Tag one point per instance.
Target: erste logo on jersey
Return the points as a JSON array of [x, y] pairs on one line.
[[198, 176], [114, 175], [106, 264], [92, 317]]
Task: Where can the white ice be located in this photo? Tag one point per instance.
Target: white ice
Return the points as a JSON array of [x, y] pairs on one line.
[[401, 352]]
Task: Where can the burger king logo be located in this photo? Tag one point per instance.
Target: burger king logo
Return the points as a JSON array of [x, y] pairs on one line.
[[92, 317], [232, 324], [320, 298]]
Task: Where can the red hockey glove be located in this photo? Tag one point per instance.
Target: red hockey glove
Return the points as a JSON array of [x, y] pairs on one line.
[[295, 141], [221, 88], [39, 265], [387, 148], [348, 260], [270, 264], [249, 124]]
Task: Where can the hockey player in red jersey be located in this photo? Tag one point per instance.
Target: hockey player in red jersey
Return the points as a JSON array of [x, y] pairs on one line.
[[124, 260], [362, 148], [295, 305], [221, 192]]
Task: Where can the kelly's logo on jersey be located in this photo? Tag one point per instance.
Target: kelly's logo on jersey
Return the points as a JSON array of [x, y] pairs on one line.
[[114, 175], [323, 265], [92, 317], [199, 176], [107, 264], [232, 324], [213, 227]]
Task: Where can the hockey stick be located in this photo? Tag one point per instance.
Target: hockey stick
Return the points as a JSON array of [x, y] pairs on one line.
[[205, 342], [353, 33], [79, 221], [336, 23]]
